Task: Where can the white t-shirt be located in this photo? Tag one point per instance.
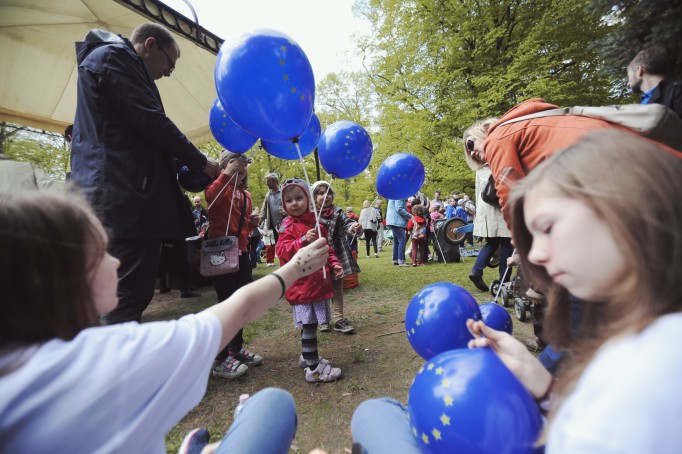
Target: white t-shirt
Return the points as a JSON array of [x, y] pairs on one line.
[[629, 400], [112, 389]]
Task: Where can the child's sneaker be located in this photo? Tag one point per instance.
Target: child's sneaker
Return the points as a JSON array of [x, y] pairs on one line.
[[324, 372], [343, 326], [248, 358], [194, 442], [303, 364], [230, 368], [324, 327]]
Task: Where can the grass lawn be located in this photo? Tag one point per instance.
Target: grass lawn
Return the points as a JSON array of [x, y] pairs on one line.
[[376, 361]]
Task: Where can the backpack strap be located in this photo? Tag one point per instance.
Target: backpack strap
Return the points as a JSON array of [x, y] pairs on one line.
[[544, 113]]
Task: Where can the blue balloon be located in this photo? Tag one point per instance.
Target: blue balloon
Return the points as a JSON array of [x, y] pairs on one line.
[[345, 149], [400, 176], [467, 401], [191, 180], [307, 142], [436, 317], [496, 317], [226, 131], [266, 84]]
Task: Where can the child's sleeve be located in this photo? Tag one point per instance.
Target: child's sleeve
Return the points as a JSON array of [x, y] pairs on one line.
[[409, 224], [287, 244]]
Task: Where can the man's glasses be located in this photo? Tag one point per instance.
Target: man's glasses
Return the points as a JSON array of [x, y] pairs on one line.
[[171, 65], [470, 145]]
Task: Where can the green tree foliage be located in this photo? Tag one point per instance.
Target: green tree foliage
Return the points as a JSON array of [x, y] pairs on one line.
[[440, 65], [639, 24], [45, 150]]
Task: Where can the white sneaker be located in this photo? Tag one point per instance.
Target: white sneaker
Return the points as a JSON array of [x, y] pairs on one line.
[[324, 372]]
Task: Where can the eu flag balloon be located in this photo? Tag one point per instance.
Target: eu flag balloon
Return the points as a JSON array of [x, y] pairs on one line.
[[435, 320], [400, 176], [467, 401], [344, 149]]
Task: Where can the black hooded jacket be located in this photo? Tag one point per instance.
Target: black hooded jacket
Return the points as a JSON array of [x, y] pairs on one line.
[[125, 148]]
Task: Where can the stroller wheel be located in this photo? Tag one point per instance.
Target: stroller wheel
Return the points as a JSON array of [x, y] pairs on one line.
[[494, 287], [520, 309]]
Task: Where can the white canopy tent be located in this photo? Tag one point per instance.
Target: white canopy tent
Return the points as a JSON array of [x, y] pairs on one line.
[[38, 70]]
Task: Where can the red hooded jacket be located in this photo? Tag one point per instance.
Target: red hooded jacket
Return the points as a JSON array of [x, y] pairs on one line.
[[314, 287]]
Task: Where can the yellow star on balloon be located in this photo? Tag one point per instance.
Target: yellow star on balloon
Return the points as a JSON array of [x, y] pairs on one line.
[[418, 323], [421, 301], [445, 419], [436, 434], [448, 401], [439, 371], [293, 89], [283, 48], [425, 439], [281, 62], [430, 366], [421, 369], [414, 431], [445, 382], [286, 77], [412, 330]]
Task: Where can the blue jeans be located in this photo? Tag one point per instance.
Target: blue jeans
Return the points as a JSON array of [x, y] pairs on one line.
[[399, 240], [381, 425], [484, 255], [247, 435]]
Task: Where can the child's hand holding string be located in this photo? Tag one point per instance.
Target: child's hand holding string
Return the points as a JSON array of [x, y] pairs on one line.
[[311, 235], [338, 271], [513, 354]]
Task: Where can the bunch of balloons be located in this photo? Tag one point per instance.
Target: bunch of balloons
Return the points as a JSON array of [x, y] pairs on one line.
[[464, 400], [266, 90]]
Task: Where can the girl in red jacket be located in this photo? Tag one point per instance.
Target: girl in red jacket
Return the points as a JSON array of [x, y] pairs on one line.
[[308, 296], [417, 229]]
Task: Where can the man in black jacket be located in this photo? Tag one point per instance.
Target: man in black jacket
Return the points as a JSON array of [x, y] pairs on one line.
[[124, 154], [647, 75]]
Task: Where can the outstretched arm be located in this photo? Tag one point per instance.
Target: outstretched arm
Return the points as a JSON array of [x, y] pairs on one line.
[[253, 300]]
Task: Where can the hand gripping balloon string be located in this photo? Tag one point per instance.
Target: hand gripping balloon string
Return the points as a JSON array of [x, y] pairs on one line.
[[317, 217], [504, 276]]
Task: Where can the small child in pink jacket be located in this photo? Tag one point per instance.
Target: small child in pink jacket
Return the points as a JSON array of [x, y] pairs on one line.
[[308, 296]]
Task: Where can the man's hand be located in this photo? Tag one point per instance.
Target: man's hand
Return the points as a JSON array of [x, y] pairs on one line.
[[212, 169], [338, 271], [236, 165]]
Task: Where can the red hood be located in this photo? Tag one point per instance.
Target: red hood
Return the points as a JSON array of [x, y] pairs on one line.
[[418, 219], [530, 106]]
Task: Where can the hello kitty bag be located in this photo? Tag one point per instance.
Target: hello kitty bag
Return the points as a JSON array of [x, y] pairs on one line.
[[221, 255]]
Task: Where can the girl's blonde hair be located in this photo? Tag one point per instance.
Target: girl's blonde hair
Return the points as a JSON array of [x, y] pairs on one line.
[[634, 186], [478, 130]]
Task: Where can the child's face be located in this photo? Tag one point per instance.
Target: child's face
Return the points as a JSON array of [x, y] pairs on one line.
[[295, 201], [320, 199], [104, 282], [573, 244]]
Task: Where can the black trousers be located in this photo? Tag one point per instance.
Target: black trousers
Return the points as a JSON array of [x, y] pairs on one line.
[[225, 286], [136, 278]]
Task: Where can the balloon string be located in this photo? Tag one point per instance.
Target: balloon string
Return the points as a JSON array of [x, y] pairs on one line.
[[317, 218]]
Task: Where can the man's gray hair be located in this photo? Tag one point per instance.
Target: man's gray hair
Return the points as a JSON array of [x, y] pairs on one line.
[[272, 175]]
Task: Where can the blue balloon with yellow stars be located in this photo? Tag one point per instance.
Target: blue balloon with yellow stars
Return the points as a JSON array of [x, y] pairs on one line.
[[266, 84], [436, 317], [307, 142], [468, 401], [400, 176], [496, 317], [226, 131], [344, 149]]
